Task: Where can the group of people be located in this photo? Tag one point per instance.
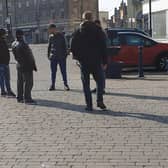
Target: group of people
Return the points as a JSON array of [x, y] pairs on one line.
[[88, 46]]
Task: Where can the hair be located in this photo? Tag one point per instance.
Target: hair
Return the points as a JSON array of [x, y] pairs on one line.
[[87, 15], [52, 26]]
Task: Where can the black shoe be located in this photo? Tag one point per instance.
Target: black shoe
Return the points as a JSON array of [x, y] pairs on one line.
[[94, 90], [3, 94], [89, 108], [20, 100], [101, 105], [11, 94], [104, 92], [66, 88], [52, 88], [31, 101]]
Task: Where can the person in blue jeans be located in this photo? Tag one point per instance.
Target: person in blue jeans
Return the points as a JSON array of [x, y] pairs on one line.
[[4, 66], [57, 54]]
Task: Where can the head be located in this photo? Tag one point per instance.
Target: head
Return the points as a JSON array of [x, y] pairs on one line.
[[19, 34], [98, 23], [52, 29], [88, 16], [3, 33]]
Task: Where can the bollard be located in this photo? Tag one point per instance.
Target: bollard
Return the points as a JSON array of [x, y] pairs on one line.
[[140, 64]]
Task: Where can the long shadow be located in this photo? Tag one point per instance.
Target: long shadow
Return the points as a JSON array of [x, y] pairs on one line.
[[138, 96], [129, 95], [79, 108]]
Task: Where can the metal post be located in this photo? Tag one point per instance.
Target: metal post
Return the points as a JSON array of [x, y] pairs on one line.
[[81, 9], [150, 18], [140, 65]]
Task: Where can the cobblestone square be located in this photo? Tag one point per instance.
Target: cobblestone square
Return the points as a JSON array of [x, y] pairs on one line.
[[58, 133]]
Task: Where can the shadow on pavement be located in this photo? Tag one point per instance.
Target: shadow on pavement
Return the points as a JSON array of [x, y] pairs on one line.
[[129, 95], [80, 108], [138, 96]]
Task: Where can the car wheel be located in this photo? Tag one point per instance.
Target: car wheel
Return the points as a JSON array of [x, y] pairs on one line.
[[162, 63]]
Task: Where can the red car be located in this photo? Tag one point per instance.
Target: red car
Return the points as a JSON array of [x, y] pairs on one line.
[[124, 48]]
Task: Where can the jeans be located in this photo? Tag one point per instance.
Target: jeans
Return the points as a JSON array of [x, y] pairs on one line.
[[98, 77], [5, 78], [24, 85], [62, 64]]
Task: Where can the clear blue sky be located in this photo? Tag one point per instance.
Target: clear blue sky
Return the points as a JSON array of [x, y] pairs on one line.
[[109, 5]]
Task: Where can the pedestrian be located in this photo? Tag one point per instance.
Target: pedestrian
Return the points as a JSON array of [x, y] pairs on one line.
[[89, 48], [98, 23], [57, 54], [4, 66], [25, 67]]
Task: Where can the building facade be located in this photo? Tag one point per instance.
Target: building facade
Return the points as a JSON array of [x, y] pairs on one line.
[[34, 16], [135, 17], [159, 18], [119, 19]]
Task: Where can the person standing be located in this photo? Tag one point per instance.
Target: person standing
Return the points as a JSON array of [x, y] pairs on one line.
[[4, 66], [57, 54], [98, 23], [89, 48], [25, 67]]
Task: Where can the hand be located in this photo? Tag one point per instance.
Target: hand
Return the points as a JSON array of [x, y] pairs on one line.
[[104, 67]]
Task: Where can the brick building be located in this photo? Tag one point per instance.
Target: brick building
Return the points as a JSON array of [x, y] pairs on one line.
[[33, 16]]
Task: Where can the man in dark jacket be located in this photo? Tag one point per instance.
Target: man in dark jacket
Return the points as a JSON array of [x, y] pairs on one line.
[[57, 54], [89, 48], [25, 67], [4, 66]]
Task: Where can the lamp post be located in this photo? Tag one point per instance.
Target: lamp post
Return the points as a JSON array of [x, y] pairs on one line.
[[150, 17], [8, 23]]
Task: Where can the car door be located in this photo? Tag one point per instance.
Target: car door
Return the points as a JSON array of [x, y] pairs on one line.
[[129, 49], [149, 51]]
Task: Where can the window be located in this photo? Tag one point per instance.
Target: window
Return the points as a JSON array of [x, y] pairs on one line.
[[133, 40], [0, 6], [27, 4], [19, 5]]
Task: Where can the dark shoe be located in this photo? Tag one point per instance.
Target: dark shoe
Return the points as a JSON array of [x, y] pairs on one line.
[[94, 90], [3, 94], [52, 88], [104, 92], [66, 88], [20, 100], [31, 101], [11, 94], [101, 105], [89, 108]]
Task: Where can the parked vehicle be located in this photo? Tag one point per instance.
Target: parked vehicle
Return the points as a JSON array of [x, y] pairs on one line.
[[123, 47]]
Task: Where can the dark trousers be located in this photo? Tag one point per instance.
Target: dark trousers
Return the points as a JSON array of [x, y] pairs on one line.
[[62, 64], [24, 85], [5, 78], [97, 73]]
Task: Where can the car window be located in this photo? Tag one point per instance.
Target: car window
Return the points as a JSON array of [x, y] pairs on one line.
[[133, 40], [148, 42], [114, 41]]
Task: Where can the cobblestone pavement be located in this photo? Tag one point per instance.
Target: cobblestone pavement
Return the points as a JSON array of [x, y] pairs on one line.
[[58, 133]]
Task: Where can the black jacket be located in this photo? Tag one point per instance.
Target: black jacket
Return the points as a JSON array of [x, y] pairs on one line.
[[4, 52], [57, 46], [89, 44], [24, 56]]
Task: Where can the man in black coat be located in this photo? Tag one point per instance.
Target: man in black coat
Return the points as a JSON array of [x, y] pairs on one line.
[[4, 66], [89, 48], [57, 54], [25, 67]]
